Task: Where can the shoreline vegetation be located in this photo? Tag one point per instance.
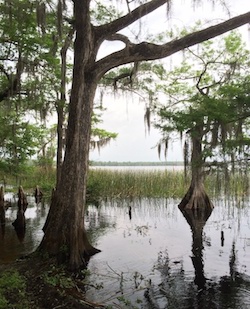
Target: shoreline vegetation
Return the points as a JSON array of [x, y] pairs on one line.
[[146, 182], [139, 163], [122, 183]]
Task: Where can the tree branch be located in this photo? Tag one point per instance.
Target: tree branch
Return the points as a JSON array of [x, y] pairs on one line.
[[148, 51], [119, 37], [125, 21]]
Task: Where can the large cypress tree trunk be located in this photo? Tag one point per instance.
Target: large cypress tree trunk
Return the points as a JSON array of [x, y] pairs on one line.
[[64, 233], [196, 196]]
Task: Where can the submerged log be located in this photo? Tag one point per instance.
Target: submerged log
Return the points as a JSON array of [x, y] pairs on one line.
[[38, 195], [22, 200]]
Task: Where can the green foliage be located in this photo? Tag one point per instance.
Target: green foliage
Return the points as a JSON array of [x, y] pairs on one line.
[[29, 78], [29, 176], [12, 290], [57, 277], [209, 90], [99, 137], [102, 14], [19, 140]]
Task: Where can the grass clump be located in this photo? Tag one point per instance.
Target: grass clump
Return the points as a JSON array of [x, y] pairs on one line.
[[58, 278], [12, 290]]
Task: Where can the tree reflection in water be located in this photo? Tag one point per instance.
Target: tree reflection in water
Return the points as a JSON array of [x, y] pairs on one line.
[[197, 219], [178, 290]]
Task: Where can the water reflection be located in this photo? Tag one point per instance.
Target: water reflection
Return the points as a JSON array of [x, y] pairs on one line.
[[22, 231], [153, 255], [153, 261], [197, 219], [20, 225]]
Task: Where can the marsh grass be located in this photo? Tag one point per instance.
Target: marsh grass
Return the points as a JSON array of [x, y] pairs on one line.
[[104, 183], [234, 184], [124, 184], [108, 183]]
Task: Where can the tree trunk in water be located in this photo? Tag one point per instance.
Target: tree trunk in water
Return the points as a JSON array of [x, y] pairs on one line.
[[22, 202], [64, 233], [196, 196]]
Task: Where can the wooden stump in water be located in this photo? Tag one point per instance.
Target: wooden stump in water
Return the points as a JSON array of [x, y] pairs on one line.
[[22, 200], [38, 195], [20, 225]]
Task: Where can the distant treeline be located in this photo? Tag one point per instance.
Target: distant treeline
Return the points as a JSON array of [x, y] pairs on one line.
[[111, 163]]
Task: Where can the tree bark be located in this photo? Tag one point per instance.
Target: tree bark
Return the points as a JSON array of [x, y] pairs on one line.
[[64, 233], [196, 196], [60, 108], [22, 202]]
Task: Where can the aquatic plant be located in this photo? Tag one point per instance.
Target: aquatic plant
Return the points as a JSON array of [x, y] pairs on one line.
[[132, 183], [108, 183]]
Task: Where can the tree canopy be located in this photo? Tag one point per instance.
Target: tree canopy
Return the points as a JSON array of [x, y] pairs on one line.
[[209, 88]]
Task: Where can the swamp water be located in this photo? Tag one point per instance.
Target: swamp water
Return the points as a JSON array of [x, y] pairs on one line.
[[151, 257]]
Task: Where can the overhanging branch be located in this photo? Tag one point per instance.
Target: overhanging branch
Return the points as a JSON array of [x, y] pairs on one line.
[[131, 17], [148, 51]]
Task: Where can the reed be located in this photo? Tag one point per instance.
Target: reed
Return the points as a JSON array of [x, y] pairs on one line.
[[104, 183], [124, 184]]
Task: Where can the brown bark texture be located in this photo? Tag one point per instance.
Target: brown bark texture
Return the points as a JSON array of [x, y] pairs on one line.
[[196, 196], [38, 195], [64, 232], [22, 202]]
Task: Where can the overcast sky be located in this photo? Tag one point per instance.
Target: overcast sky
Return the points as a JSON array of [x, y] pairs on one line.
[[125, 115]]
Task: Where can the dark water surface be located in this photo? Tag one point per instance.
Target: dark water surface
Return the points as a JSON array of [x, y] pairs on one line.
[[13, 244], [152, 257], [155, 260]]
